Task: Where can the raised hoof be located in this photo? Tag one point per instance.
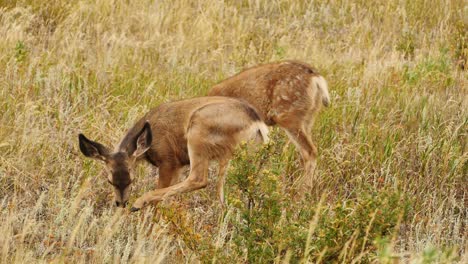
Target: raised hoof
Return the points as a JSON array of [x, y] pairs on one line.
[[134, 209]]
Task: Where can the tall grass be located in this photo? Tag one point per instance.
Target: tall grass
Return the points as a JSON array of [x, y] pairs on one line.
[[392, 171]]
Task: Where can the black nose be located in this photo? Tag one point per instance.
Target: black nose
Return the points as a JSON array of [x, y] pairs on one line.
[[119, 204]]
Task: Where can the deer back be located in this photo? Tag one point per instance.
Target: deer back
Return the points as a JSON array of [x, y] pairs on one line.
[[276, 88]]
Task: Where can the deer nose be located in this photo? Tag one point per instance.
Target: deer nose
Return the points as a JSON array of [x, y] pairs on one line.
[[120, 204]]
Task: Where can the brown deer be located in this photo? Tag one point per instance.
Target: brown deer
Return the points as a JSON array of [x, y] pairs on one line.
[[288, 94], [172, 135]]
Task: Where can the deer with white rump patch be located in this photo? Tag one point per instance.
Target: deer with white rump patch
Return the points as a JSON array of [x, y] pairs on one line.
[[172, 135], [288, 94]]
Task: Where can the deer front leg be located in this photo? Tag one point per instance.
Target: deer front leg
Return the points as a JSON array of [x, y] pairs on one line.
[[168, 175], [197, 179]]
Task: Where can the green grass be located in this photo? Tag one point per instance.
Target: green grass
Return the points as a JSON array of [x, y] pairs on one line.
[[391, 175]]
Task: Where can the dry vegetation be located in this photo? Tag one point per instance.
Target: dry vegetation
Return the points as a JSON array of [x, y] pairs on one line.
[[393, 147]]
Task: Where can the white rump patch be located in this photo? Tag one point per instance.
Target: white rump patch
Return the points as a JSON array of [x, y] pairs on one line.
[[322, 86]]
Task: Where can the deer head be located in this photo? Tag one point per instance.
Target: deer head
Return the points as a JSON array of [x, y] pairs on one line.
[[119, 164]]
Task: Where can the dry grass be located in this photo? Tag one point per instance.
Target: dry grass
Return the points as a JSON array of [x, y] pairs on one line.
[[399, 120]]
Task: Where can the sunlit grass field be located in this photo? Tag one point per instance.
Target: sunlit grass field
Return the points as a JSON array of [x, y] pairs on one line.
[[392, 180]]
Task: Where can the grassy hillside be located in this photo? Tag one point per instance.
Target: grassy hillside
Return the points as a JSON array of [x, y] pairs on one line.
[[392, 171]]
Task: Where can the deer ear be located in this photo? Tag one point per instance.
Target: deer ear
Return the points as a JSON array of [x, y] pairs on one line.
[[143, 140], [92, 149]]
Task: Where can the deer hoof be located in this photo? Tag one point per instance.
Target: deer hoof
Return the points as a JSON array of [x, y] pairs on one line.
[[134, 209]]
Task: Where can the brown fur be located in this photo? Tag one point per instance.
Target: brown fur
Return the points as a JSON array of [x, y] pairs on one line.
[[288, 94], [172, 135]]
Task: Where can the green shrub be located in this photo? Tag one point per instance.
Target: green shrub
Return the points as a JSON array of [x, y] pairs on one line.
[[274, 224]]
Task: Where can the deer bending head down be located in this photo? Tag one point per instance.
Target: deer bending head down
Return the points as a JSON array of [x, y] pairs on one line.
[[172, 135], [288, 94]]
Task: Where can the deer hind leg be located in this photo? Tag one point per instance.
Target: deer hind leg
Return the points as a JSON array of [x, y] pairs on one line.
[[197, 179], [307, 150], [309, 123], [221, 179]]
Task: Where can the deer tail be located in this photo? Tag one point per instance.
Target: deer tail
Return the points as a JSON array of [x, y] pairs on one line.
[[322, 86]]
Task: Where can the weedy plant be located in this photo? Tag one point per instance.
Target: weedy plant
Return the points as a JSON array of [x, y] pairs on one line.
[[272, 225]]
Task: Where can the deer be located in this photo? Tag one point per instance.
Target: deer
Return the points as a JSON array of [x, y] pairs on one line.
[[286, 93], [172, 135]]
